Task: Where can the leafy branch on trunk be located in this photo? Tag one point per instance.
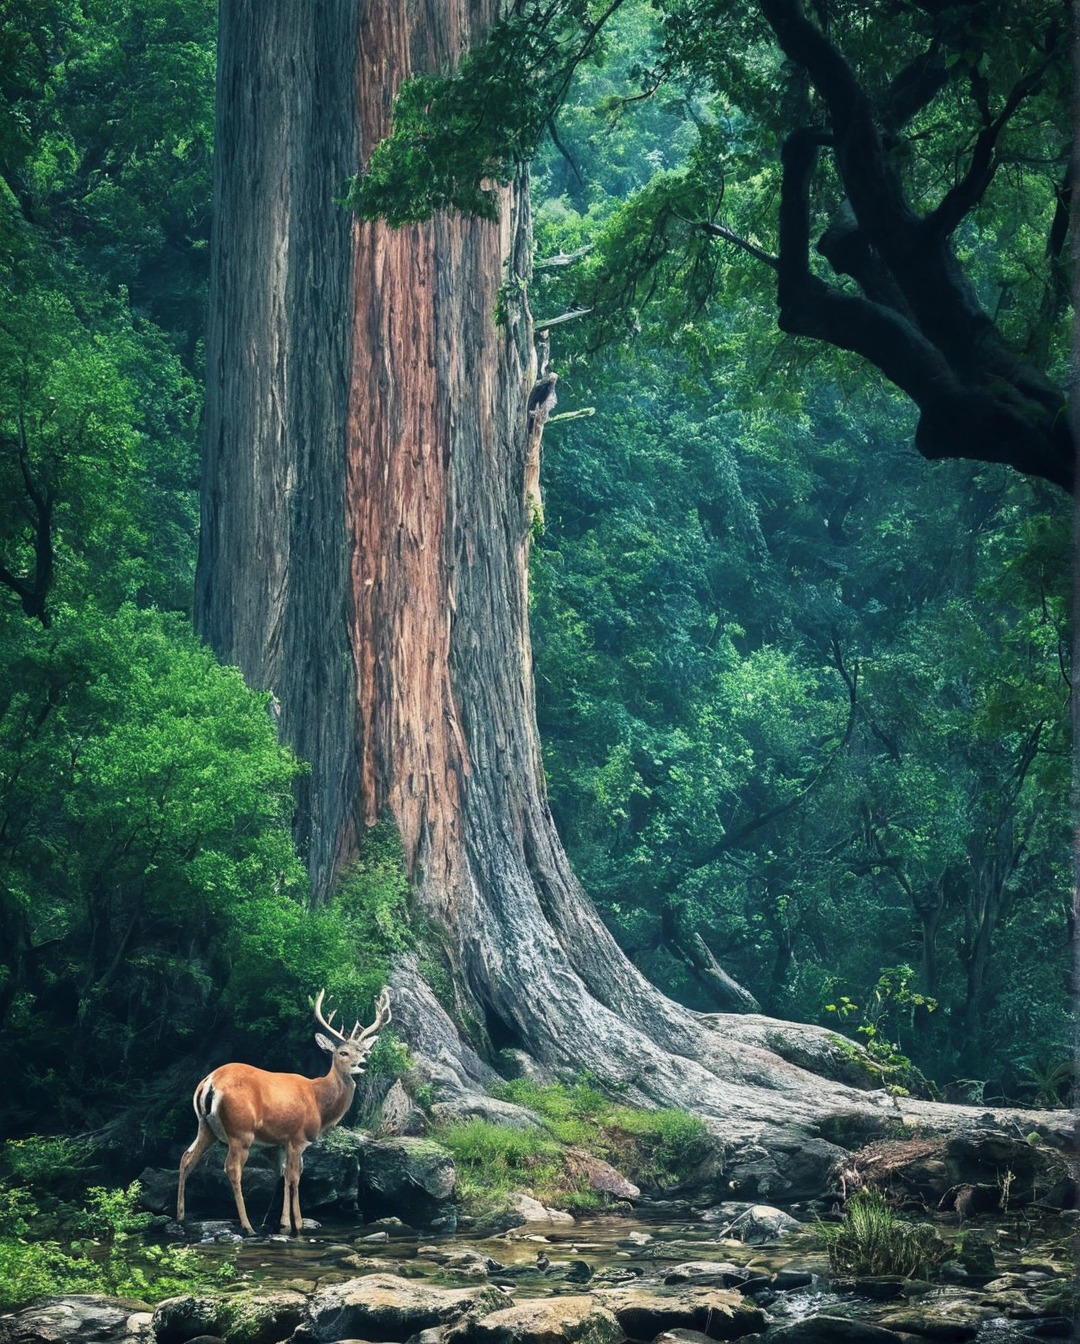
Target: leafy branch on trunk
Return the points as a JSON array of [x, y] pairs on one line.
[[455, 136]]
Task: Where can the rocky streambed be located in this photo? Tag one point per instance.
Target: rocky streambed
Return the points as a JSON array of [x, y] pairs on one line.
[[669, 1275]]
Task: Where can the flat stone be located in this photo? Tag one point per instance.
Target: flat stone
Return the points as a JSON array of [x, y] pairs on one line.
[[716, 1312], [956, 1320], [552, 1320], [76, 1317], [831, 1330], [388, 1307], [708, 1274]]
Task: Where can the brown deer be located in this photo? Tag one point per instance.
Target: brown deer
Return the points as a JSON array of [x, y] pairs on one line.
[[241, 1106]]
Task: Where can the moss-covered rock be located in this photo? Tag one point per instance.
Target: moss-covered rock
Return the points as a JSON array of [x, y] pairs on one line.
[[716, 1312], [387, 1307], [253, 1316], [554, 1320]]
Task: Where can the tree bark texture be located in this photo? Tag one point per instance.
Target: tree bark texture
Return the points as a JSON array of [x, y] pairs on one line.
[[368, 501]]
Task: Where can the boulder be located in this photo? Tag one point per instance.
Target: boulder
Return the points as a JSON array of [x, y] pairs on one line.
[[78, 1317], [599, 1175], [552, 1320], [716, 1312], [253, 1316], [795, 1165], [532, 1211], [759, 1223], [708, 1274], [399, 1114], [465, 1106], [831, 1330], [411, 1178], [387, 1307]]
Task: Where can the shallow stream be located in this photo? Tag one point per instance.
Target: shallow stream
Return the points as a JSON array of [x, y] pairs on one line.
[[639, 1250]]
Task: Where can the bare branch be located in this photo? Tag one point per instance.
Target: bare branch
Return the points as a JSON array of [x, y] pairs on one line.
[[730, 236], [563, 258], [563, 317]]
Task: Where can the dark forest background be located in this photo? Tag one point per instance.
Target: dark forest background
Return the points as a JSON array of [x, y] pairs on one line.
[[803, 694]]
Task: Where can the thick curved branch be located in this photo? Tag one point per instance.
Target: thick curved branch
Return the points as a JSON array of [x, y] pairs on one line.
[[961, 199], [811, 307]]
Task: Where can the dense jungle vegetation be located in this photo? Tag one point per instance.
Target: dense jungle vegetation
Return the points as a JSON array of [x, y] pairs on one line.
[[803, 693]]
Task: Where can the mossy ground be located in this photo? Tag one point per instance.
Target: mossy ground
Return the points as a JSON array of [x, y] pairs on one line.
[[651, 1148]]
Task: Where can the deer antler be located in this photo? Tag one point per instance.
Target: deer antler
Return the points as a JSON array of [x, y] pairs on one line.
[[382, 1016], [325, 1023], [357, 1036]]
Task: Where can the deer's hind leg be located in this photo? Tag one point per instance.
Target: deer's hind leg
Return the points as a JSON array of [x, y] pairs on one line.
[[239, 1148], [204, 1140]]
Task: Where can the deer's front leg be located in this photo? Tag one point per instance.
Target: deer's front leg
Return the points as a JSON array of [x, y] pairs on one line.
[[290, 1210]]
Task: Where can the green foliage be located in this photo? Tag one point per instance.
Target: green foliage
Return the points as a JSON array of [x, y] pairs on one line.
[[891, 1001], [345, 945], [658, 1148], [105, 1256], [492, 1160], [146, 851], [106, 142], [666, 1145], [872, 1239], [455, 136], [799, 692], [1049, 1081]]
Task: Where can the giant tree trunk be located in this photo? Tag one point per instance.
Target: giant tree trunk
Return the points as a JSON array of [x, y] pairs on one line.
[[366, 521]]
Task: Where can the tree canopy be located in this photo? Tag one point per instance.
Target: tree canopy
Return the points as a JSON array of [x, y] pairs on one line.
[[900, 172]]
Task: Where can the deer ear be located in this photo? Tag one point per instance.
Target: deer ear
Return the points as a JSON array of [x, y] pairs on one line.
[[325, 1043]]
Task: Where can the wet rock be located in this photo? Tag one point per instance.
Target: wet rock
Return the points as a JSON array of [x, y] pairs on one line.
[[759, 1223], [784, 1280], [368, 1264], [681, 1337], [254, 1316], [877, 1287], [78, 1317], [554, 1320], [976, 1254], [718, 1313], [332, 1164], [831, 1330], [157, 1189], [388, 1307], [413, 1179], [708, 1274], [951, 1319], [532, 1211], [467, 1264]]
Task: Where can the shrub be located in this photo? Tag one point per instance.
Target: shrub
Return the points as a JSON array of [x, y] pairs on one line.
[[111, 1260], [873, 1239]]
